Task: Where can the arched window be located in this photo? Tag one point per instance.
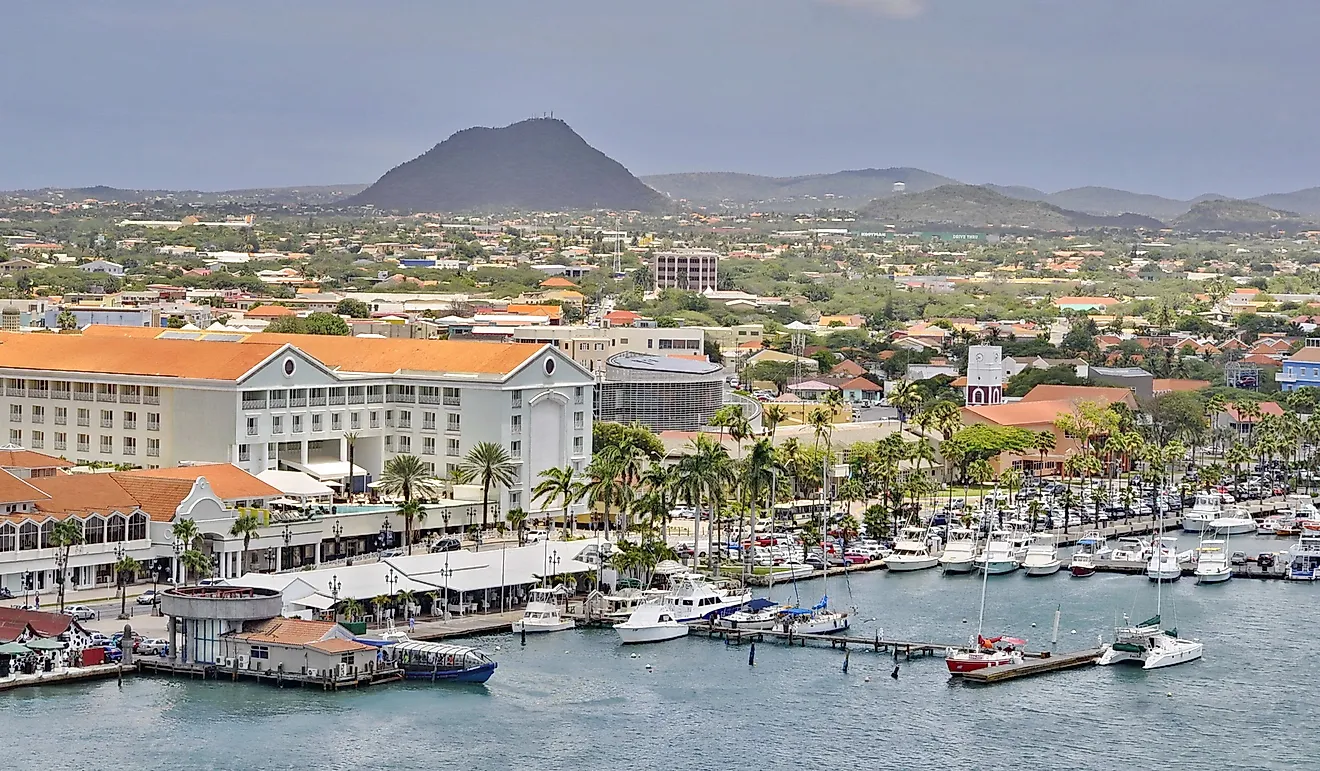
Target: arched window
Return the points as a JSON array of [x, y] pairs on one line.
[[115, 529], [94, 529], [47, 532], [27, 536], [137, 526], [8, 537]]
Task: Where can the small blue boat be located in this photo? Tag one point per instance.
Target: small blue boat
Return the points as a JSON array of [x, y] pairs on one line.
[[436, 662]]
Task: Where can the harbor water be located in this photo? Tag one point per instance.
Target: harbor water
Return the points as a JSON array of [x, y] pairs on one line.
[[579, 700]]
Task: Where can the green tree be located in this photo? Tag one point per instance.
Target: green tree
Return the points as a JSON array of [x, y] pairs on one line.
[[408, 477], [246, 525], [325, 324], [562, 484], [124, 567], [489, 465], [194, 562], [518, 521], [353, 308], [66, 321], [66, 534]]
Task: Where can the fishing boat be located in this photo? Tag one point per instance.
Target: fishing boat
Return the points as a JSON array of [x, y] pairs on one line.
[[1212, 564], [1207, 506], [1042, 556], [544, 612], [1235, 522], [911, 551], [983, 653], [1089, 548], [999, 555], [1163, 564], [654, 621], [693, 597], [960, 552], [438, 661], [1131, 549], [1304, 557]]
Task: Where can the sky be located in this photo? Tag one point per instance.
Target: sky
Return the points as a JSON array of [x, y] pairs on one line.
[[1175, 97]]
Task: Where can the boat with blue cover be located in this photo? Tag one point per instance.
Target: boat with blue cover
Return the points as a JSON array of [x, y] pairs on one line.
[[436, 662]]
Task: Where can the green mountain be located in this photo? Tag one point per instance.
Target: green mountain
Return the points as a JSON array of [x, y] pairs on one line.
[[843, 189], [535, 165], [1238, 217], [1305, 202], [1109, 201], [979, 207]]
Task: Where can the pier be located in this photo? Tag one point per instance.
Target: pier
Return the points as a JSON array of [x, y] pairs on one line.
[[330, 680], [1043, 664], [64, 675]]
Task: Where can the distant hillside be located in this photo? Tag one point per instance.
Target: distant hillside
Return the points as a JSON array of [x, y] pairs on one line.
[[301, 194], [1109, 201], [1020, 192], [1305, 202], [843, 189], [968, 206], [1237, 217], [537, 165]]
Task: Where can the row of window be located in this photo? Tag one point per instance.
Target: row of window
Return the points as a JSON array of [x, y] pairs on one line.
[[37, 414], [115, 528], [60, 441], [85, 392], [372, 394]]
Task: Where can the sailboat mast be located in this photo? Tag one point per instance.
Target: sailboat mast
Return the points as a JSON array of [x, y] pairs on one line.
[[825, 507], [985, 581]]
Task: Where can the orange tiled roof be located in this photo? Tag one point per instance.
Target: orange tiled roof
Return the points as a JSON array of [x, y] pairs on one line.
[[285, 631], [160, 498], [229, 482], [338, 645], [132, 355], [557, 282], [83, 493], [1045, 393], [269, 312], [15, 490], [1165, 384], [525, 309], [29, 459], [1024, 413]]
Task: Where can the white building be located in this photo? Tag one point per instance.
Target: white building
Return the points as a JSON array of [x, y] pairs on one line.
[[693, 270], [155, 397], [591, 346]]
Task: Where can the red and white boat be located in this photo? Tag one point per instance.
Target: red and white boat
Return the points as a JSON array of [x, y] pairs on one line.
[[987, 653]]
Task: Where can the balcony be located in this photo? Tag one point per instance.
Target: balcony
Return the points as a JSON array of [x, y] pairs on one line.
[[254, 404], [60, 394], [107, 423], [298, 401], [375, 397], [14, 390], [130, 397], [82, 396], [1285, 377], [151, 399], [85, 422], [107, 396], [451, 401], [426, 398], [337, 399], [279, 402], [38, 393], [357, 397], [61, 420], [153, 425], [316, 401], [153, 452]]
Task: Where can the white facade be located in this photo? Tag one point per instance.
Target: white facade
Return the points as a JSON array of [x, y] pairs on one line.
[[591, 346]]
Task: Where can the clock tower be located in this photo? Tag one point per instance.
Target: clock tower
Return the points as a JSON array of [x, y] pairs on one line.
[[985, 375]]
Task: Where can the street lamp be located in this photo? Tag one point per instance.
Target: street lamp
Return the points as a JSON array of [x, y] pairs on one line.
[[61, 563], [178, 550], [444, 601], [391, 580], [120, 553], [554, 564], [338, 530], [287, 536], [385, 537], [335, 586]]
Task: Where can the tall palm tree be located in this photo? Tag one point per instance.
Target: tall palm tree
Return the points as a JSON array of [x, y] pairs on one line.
[[195, 562], [65, 534], [490, 463], [771, 417], [604, 488], [629, 459], [822, 424], [350, 439], [124, 567], [185, 533], [659, 481], [413, 514], [407, 476], [559, 483], [758, 478], [246, 525], [704, 475], [1043, 442], [906, 398]]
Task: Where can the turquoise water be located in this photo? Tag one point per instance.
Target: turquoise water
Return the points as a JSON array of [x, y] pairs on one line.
[[578, 700], [366, 508]]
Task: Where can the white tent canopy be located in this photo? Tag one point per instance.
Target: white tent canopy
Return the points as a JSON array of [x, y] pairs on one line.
[[295, 484], [327, 470]]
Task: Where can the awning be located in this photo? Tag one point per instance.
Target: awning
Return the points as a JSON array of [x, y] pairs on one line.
[[14, 649], [317, 601], [44, 644], [296, 484], [326, 469]]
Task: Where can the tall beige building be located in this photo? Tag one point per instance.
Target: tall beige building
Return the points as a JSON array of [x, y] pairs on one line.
[[692, 270]]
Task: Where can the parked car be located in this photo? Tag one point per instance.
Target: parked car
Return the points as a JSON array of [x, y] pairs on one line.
[[535, 536], [1239, 558], [446, 544], [855, 558], [153, 646], [149, 597], [815, 561], [80, 612]]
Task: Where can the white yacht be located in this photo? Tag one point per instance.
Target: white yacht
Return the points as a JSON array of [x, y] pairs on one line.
[[1212, 565], [756, 614], [1131, 549], [1042, 556], [693, 598], [651, 622], [1149, 646], [544, 612], [911, 551], [1019, 540], [1207, 507], [960, 551], [1163, 564], [1235, 522], [1089, 549], [1304, 557], [1000, 554]]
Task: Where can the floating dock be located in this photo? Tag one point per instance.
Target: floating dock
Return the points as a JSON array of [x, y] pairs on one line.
[[69, 675], [330, 681], [1046, 663]]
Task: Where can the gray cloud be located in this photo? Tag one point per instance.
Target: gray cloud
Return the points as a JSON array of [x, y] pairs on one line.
[[901, 9]]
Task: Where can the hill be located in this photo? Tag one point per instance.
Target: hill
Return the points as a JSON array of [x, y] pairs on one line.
[[1109, 201], [1237, 217], [843, 189], [969, 206], [539, 165], [1305, 202], [305, 194], [1019, 191]]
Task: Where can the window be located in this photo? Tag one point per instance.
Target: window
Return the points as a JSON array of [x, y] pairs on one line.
[[297, 424], [8, 537], [515, 449], [515, 499], [428, 421], [405, 419], [84, 416], [38, 440], [578, 394], [355, 421], [428, 445], [153, 447], [130, 420], [116, 528], [150, 395], [61, 416], [251, 426], [405, 444], [259, 652], [515, 400], [272, 451], [84, 443], [107, 444], [316, 422], [130, 445], [15, 436], [451, 469], [389, 444], [650, 343], [577, 445], [336, 422], [15, 413], [27, 536], [94, 530], [375, 419], [61, 439], [137, 526], [277, 424], [453, 422], [38, 414], [107, 418], [153, 421], [244, 452], [451, 398], [453, 447], [578, 420], [515, 424]]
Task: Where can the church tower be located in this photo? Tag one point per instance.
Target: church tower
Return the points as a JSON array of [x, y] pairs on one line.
[[985, 375]]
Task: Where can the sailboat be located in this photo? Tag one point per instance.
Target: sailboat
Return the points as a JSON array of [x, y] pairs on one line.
[[818, 619], [756, 613], [985, 652], [1148, 644]]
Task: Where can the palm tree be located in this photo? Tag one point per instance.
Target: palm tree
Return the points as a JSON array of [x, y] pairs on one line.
[[490, 463], [1043, 442], [946, 417], [704, 475], [659, 481], [352, 609], [906, 398], [65, 535], [125, 567], [604, 488], [403, 598], [246, 525], [194, 561], [408, 477], [381, 601], [411, 511], [821, 421], [561, 483], [185, 531], [518, 521], [758, 478], [1011, 479], [771, 417], [350, 439]]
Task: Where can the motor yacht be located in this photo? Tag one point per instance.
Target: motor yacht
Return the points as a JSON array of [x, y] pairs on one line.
[[1207, 506], [1163, 564], [1131, 549], [693, 597], [1042, 557], [544, 612], [1304, 557], [758, 613], [960, 552], [654, 621], [1149, 645], [1237, 523], [1089, 548], [911, 551], [1212, 564], [1000, 555]]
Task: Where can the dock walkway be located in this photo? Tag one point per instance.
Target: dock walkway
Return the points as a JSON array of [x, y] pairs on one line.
[[63, 675], [1044, 664]]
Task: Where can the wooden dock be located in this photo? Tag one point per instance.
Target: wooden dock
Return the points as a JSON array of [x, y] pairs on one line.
[[907, 648], [69, 675], [331, 681], [1044, 664]]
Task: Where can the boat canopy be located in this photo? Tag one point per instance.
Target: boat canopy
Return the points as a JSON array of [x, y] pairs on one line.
[[759, 603], [823, 602], [415, 649]]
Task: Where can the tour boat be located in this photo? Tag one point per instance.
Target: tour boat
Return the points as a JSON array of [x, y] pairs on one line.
[[755, 614], [1089, 547], [960, 552], [1163, 564], [911, 551], [543, 612], [1206, 507], [999, 555], [655, 621], [693, 598], [1212, 565], [1149, 646], [1042, 556], [438, 661], [1304, 557]]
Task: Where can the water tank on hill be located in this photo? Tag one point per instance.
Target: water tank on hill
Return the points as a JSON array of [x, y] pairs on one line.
[[900, 187]]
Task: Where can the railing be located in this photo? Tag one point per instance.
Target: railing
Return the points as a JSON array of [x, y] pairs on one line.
[[375, 422], [451, 401], [107, 422], [251, 430], [516, 430], [14, 390], [426, 398], [38, 417], [153, 452], [279, 402], [38, 394], [15, 416], [60, 394], [38, 444], [61, 420], [82, 396], [130, 425], [85, 422], [102, 396], [153, 425], [357, 399], [316, 401], [376, 397], [405, 422], [453, 426], [127, 398], [84, 447], [428, 425], [355, 423], [297, 401], [60, 444], [337, 399], [255, 404], [130, 449], [149, 399]]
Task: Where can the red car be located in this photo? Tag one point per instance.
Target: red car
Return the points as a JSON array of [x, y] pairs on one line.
[[855, 558]]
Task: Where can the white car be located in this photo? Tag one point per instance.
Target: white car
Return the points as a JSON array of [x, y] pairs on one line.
[[535, 536], [80, 612], [153, 646]]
